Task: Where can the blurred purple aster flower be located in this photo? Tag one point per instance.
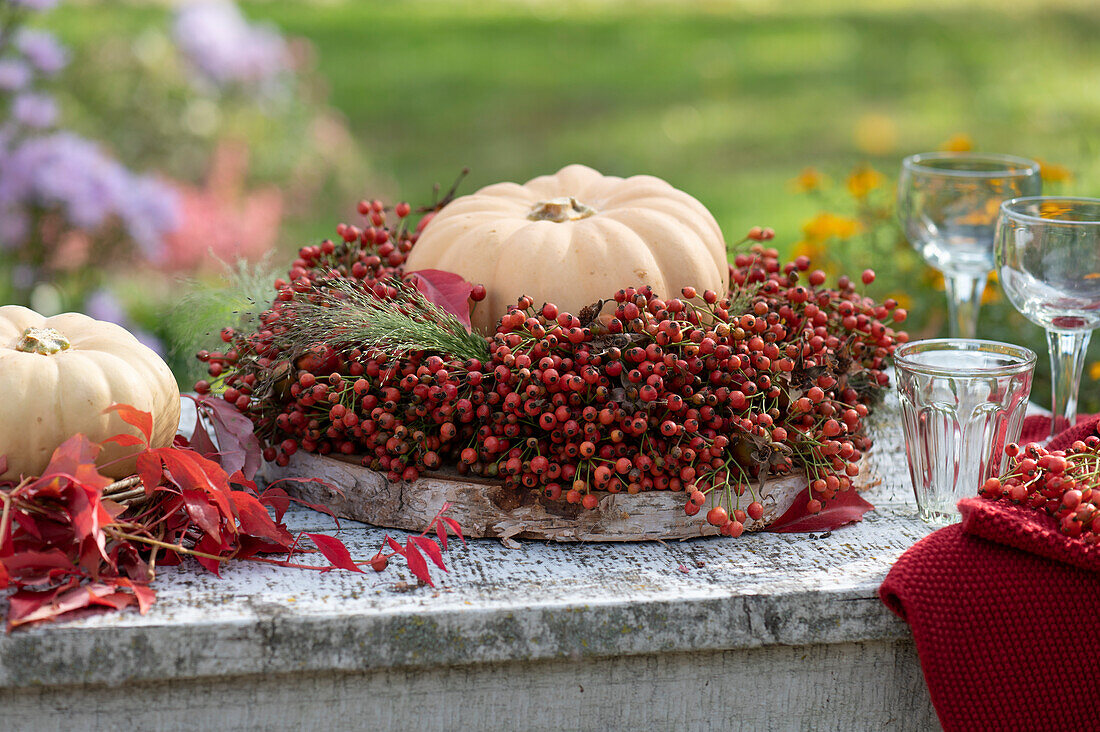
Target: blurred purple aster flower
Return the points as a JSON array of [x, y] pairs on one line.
[[65, 170], [103, 305], [34, 110], [220, 43], [14, 74], [39, 5], [42, 50]]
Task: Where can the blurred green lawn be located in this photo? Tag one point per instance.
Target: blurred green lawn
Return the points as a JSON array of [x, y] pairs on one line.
[[726, 100]]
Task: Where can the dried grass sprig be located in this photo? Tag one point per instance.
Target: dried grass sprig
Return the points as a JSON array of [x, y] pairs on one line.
[[346, 317]]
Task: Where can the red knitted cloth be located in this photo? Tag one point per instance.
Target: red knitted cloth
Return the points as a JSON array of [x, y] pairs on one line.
[[1003, 609]]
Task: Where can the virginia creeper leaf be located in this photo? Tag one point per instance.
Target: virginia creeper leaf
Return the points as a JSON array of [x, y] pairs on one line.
[[256, 521], [277, 499], [441, 530], [200, 439], [205, 515], [334, 550], [238, 446], [395, 546], [126, 440], [130, 415], [207, 545], [454, 527], [417, 565], [151, 470], [429, 547]]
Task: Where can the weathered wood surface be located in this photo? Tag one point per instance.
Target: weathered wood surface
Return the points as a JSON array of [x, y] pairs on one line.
[[488, 509], [496, 645], [836, 688], [484, 508]]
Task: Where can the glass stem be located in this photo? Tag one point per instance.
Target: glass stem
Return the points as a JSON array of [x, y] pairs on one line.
[[964, 298], [1067, 356]]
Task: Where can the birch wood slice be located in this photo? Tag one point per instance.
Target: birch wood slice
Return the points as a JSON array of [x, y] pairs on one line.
[[487, 509]]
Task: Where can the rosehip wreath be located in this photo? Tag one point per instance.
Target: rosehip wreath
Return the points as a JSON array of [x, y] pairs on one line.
[[702, 393]]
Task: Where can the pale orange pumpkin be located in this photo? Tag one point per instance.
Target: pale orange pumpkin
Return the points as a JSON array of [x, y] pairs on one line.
[[573, 238], [58, 374]]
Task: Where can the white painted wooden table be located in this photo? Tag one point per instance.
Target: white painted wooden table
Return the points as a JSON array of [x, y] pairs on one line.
[[769, 631]]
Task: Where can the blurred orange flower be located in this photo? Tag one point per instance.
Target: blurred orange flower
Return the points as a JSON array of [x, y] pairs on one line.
[[863, 180], [810, 179], [1054, 173], [828, 225], [1094, 370], [959, 142]]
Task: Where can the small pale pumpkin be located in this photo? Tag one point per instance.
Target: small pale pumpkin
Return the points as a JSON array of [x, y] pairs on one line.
[[572, 238], [58, 374]]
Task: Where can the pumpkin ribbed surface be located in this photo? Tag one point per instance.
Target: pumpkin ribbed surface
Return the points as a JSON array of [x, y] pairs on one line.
[[572, 238], [50, 391]]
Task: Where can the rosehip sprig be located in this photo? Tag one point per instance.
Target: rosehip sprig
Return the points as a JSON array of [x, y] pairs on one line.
[[1064, 484]]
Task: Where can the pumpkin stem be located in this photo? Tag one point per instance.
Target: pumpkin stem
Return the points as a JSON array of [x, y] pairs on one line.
[[561, 209], [46, 341]]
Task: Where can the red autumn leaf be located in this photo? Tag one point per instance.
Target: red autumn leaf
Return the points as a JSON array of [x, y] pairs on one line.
[[395, 546], [446, 289], [238, 446], [208, 545], [31, 607], [200, 440], [847, 507], [256, 521], [37, 561], [429, 547], [277, 499], [5, 579], [144, 594], [74, 459], [88, 518], [142, 420], [454, 527], [202, 512], [441, 530], [238, 479], [191, 470], [315, 506], [334, 550], [151, 470], [27, 523], [126, 440], [416, 562]]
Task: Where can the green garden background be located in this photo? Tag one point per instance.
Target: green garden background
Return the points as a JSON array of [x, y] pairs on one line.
[[791, 114]]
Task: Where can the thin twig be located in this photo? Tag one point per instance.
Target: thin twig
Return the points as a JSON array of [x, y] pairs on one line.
[[164, 545]]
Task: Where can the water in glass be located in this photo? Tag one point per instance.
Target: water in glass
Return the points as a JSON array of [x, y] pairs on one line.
[[961, 402]]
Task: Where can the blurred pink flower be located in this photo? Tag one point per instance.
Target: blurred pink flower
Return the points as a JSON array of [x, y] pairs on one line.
[[221, 219]]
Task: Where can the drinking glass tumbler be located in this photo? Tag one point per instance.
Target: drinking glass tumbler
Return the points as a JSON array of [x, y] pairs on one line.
[[947, 207], [1048, 260], [962, 401]]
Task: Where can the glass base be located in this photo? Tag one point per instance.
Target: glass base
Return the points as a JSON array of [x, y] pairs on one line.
[[938, 518]]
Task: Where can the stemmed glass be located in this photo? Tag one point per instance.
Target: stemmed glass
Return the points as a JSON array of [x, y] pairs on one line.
[[948, 204], [1048, 260]]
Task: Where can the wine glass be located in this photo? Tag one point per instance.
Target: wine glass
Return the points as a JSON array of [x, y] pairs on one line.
[[948, 205], [1048, 261]]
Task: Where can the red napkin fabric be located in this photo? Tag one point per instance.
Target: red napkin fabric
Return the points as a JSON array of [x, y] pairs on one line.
[[1003, 610], [1037, 428]]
